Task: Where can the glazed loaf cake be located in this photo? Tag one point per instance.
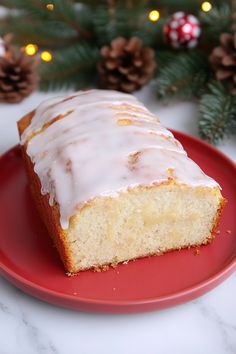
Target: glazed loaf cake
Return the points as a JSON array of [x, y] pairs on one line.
[[111, 183]]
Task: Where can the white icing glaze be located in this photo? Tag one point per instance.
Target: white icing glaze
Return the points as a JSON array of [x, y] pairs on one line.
[[106, 143]]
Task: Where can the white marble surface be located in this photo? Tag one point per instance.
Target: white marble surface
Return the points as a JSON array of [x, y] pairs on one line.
[[206, 325]]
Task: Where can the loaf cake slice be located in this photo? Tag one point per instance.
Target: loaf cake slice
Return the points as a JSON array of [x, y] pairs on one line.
[[111, 183]]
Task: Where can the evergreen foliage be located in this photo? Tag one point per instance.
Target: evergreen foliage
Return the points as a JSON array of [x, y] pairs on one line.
[[217, 113], [217, 21], [184, 75], [75, 30], [70, 68]]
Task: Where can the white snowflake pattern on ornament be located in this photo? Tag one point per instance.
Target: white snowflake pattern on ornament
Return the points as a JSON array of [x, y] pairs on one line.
[[182, 30]]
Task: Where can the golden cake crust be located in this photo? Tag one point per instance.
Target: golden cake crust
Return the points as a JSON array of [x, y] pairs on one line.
[[51, 215]]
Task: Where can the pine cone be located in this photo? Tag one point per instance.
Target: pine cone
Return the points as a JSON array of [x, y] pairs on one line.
[[18, 76], [223, 59], [126, 65]]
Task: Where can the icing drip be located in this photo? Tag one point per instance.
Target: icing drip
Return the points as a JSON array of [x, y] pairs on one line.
[[101, 143]]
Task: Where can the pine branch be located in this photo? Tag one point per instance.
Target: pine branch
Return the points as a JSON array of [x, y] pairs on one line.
[[151, 33], [109, 23], [29, 6], [44, 33], [164, 57], [71, 67], [217, 113], [180, 5], [185, 75], [64, 12], [100, 24], [215, 22]]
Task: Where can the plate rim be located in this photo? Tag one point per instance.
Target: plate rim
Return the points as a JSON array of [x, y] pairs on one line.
[[172, 299], [208, 284]]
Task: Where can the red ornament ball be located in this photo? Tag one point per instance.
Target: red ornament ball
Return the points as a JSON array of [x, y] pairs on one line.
[[182, 30]]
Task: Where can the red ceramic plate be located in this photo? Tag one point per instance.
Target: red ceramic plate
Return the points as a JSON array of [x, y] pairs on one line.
[[29, 260]]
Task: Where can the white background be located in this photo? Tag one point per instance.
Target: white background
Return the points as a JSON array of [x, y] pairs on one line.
[[205, 325]]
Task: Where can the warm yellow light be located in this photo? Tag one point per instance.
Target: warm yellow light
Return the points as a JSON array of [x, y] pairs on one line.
[[50, 7], [206, 6], [154, 15], [46, 56], [31, 49]]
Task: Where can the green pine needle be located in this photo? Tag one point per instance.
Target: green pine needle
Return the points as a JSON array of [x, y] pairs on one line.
[[64, 14], [215, 22], [45, 33], [72, 67], [217, 113], [124, 21], [185, 75], [151, 33]]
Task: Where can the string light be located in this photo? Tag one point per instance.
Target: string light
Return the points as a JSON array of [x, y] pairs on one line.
[[206, 6], [50, 7], [46, 56], [154, 15], [31, 49]]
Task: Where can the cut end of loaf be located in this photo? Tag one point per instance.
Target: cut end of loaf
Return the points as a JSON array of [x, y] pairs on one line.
[[144, 221]]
